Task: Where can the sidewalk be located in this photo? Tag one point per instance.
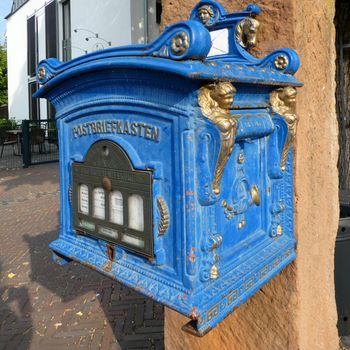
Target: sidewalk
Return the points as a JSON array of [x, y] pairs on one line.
[[46, 307]]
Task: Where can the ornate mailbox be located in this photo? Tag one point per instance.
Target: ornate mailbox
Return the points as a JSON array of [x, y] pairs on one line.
[[176, 163]]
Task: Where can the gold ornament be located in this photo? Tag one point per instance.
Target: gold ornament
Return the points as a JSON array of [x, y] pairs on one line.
[[41, 73], [179, 44], [281, 62], [246, 32], [283, 102], [215, 101]]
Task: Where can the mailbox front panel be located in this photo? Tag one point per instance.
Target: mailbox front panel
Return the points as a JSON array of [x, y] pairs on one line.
[[176, 163]]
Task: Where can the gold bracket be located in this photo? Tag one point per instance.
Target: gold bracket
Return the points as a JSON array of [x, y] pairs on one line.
[[283, 102], [215, 101]]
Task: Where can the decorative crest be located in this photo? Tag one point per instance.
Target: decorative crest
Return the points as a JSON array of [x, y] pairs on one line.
[[211, 44]]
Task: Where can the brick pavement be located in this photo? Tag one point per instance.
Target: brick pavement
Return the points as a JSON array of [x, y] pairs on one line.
[[47, 307]]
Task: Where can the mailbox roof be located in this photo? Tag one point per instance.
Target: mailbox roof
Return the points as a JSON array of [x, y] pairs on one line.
[[190, 69], [184, 49]]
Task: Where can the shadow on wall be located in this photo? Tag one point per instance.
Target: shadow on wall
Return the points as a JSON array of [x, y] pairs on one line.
[[137, 322], [16, 326]]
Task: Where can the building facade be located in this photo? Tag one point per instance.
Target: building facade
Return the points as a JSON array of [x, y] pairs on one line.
[[65, 29]]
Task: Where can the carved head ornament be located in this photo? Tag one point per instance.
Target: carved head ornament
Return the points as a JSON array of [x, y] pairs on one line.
[[205, 13], [246, 32], [216, 96], [283, 100]]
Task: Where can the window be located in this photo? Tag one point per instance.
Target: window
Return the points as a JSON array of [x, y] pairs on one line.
[[116, 207], [145, 20], [84, 199], [51, 30], [34, 112], [32, 46], [50, 111], [99, 203], [135, 206], [66, 41]]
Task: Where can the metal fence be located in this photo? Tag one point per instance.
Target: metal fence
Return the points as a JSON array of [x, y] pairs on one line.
[[32, 142]]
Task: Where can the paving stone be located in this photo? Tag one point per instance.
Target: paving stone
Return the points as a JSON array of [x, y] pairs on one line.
[[40, 303]]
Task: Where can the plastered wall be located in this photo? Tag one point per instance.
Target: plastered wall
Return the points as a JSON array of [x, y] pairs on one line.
[[297, 309]]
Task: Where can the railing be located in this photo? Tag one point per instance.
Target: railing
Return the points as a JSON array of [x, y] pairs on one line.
[[30, 142], [39, 142]]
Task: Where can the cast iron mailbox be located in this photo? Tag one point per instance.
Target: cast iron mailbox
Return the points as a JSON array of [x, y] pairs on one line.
[[176, 163]]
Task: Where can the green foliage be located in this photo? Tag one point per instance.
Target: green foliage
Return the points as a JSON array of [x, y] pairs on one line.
[[3, 76], [8, 124]]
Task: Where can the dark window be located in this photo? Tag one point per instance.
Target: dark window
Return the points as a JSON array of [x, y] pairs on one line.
[[50, 111], [34, 112], [159, 10], [51, 29], [32, 45], [66, 42]]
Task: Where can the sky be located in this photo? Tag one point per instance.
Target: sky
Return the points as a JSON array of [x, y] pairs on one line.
[[5, 7]]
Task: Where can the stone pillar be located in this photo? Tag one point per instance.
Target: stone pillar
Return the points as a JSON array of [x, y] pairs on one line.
[[296, 310]]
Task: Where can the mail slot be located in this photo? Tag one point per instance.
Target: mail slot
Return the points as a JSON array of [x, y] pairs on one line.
[[176, 162]]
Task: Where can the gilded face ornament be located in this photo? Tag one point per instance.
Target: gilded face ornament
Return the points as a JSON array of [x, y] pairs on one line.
[[41, 73], [246, 32], [205, 14]]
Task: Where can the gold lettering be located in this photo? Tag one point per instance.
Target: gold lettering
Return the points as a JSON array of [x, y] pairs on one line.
[[133, 129], [119, 127], [140, 125], [232, 297], [155, 134], [212, 312], [114, 127], [126, 128], [88, 125], [147, 132], [249, 284], [99, 127], [75, 132]]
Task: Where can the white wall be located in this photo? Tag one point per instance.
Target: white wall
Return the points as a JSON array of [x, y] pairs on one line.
[[118, 21], [17, 59], [109, 18]]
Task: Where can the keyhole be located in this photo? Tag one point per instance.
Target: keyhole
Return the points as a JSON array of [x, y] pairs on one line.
[[105, 151]]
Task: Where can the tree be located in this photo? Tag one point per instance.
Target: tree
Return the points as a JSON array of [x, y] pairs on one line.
[[3, 76]]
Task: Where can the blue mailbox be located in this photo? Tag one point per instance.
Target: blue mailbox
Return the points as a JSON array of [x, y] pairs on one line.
[[176, 162]]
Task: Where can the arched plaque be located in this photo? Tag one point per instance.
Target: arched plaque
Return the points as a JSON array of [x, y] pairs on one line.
[[111, 200]]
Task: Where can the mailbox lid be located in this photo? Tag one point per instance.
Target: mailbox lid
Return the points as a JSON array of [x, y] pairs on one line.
[[184, 49]]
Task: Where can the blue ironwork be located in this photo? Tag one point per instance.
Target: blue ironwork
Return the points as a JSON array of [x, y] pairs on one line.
[[212, 250]]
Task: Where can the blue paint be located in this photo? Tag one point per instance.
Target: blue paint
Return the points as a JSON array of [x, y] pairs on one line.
[[149, 84]]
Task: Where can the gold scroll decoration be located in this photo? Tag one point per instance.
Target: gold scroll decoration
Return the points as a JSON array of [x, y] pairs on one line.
[[246, 32], [283, 102], [215, 101]]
